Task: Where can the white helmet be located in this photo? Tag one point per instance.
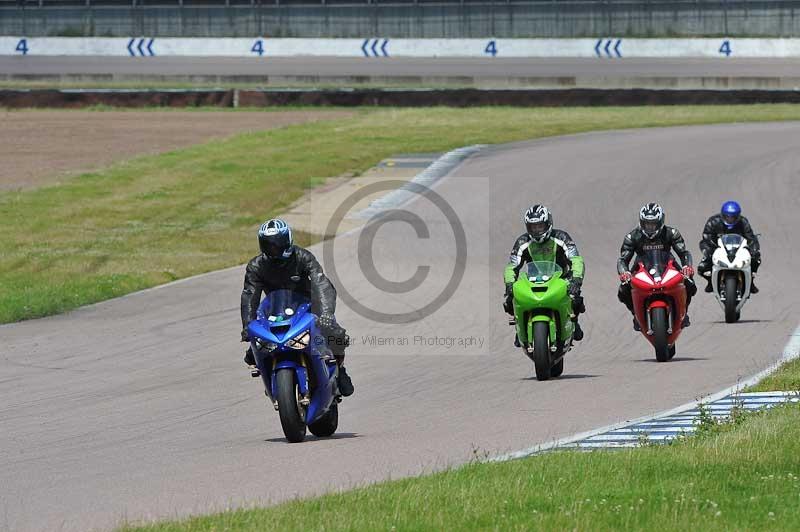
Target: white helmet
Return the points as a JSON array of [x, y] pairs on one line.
[[651, 220], [539, 223]]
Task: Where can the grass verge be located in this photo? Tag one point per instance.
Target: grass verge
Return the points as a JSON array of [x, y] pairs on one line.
[[744, 478], [159, 218], [787, 377]]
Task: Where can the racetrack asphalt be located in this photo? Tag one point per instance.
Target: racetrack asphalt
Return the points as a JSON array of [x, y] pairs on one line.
[[311, 67], [141, 408]]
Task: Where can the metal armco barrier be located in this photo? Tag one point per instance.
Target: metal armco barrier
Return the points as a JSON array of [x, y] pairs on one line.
[[394, 98]]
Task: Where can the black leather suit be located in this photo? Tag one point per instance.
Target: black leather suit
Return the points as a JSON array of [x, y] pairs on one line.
[[300, 273]]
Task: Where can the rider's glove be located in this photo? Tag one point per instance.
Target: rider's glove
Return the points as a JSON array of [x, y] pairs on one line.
[[245, 336], [625, 277], [687, 271], [327, 322]]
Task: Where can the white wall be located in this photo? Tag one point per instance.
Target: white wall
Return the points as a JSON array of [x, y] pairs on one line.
[[720, 47]]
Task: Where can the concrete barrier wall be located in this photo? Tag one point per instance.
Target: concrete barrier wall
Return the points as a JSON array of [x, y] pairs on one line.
[[376, 49], [557, 19]]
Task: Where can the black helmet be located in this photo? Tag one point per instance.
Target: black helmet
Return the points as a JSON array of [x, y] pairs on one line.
[[275, 239], [651, 220], [539, 223]]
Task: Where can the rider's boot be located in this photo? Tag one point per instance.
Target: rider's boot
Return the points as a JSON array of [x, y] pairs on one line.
[[709, 286], [577, 334], [250, 360], [753, 287], [686, 322], [344, 383], [636, 326], [516, 341]]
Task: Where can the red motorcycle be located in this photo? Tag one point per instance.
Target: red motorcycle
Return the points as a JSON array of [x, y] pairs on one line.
[[659, 300]]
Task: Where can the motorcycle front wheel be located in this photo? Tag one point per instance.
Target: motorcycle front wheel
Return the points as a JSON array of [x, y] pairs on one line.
[[731, 288], [291, 413], [658, 320], [541, 350]]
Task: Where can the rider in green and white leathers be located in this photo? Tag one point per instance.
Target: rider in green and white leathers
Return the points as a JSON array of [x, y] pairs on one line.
[[553, 245]]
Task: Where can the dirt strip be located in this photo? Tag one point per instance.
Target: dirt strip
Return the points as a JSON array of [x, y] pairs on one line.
[[42, 147]]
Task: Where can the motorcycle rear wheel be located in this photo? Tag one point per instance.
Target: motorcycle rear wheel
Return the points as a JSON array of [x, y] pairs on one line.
[[289, 409], [541, 350], [731, 287], [557, 369], [658, 320], [327, 424]]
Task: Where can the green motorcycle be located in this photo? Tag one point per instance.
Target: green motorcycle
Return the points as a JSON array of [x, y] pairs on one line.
[[543, 317]]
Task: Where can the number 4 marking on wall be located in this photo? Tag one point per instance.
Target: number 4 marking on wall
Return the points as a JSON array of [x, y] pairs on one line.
[[22, 46], [258, 47], [491, 48], [726, 48]]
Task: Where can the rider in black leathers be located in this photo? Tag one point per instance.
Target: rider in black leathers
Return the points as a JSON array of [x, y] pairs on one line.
[[716, 226], [284, 266], [652, 234]]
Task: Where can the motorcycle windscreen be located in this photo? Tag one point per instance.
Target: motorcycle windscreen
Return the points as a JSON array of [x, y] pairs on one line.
[[542, 271], [731, 242], [655, 261], [282, 305]]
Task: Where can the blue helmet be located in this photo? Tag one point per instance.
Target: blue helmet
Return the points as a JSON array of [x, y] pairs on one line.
[[731, 212], [275, 239]]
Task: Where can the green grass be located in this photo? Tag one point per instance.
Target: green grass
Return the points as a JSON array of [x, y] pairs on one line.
[[787, 377], [159, 218], [747, 478]]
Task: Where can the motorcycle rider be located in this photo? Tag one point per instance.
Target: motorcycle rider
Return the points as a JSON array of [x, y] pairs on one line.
[[652, 234], [728, 221], [541, 242], [283, 265]]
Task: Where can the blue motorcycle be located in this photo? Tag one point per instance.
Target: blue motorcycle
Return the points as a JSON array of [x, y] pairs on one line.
[[297, 367]]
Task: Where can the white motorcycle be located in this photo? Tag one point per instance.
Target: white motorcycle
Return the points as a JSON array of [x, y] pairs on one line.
[[730, 274]]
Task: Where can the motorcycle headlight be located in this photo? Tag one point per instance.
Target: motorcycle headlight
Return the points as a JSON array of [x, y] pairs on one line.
[[741, 263], [265, 346], [300, 341]]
